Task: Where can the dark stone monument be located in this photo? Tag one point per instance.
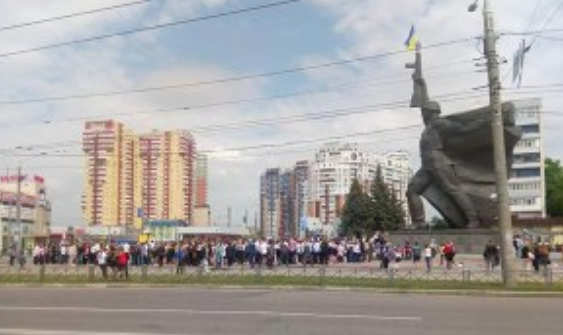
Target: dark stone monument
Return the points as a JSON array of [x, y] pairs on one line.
[[457, 175]]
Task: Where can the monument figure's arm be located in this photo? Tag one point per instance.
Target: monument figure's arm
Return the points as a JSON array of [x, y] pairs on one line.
[[420, 91]]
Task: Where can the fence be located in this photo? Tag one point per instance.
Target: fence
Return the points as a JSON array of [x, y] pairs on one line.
[[282, 275]]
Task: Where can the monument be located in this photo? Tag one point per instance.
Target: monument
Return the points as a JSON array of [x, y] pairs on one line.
[[457, 175]]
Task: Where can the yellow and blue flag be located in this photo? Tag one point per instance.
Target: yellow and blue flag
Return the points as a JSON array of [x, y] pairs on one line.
[[412, 40]]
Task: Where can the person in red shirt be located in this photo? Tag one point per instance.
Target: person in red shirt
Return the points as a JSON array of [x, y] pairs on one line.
[[122, 261]]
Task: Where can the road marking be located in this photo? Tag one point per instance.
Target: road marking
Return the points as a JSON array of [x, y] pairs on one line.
[[68, 332], [203, 312]]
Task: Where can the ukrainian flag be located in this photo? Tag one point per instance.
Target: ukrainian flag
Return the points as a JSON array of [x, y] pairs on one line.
[[411, 41]]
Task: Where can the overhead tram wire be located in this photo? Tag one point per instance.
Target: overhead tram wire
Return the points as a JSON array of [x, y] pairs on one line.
[[225, 80], [536, 9], [310, 92], [276, 145], [76, 14], [151, 28], [546, 24], [449, 97]]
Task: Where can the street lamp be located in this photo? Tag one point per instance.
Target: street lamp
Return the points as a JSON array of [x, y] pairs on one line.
[[497, 128], [19, 237]]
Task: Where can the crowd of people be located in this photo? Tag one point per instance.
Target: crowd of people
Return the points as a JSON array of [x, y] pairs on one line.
[[225, 253], [534, 255]]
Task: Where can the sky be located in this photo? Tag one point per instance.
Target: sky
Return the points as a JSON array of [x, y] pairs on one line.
[[369, 96]]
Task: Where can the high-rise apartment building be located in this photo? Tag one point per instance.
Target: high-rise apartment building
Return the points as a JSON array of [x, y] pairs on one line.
[[318, 190], [168, 171], [112, 181], [270, 203], [201, 181], [301, 194], [335, 167], [527, 178], [132, 178]]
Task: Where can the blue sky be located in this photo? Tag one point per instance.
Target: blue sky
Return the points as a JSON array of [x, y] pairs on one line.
[[300, 34]]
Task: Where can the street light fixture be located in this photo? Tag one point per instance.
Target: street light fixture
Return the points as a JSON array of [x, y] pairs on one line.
[[473, 7]]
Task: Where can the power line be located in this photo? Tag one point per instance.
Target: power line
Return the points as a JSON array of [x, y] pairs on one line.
[[546, 24], [226, 79], [332, 89], [151, 28], [449, 97], [73, 15], [274, 145], [456, 96], [536, 8]]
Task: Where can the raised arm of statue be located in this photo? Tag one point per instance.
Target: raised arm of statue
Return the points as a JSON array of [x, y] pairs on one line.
[[420, 90]]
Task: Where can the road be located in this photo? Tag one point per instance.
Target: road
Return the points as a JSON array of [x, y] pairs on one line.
[[93, 311]]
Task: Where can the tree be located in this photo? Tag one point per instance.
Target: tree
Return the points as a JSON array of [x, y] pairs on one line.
[[387, 210], [357, 213], [554, 187]]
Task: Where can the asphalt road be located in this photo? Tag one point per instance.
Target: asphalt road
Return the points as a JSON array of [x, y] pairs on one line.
[[113, 311]]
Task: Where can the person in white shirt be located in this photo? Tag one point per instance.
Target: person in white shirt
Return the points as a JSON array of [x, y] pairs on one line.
[[428, 255], [102, 257]]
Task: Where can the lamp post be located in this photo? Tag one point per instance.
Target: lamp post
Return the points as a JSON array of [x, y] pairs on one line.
[[507, 255], [19, 236]]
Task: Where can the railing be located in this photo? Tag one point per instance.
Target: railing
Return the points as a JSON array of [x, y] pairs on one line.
[[360, 276]]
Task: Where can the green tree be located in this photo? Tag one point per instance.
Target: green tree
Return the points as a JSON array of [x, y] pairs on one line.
[[554, 187], [356, 214], [387, 210]]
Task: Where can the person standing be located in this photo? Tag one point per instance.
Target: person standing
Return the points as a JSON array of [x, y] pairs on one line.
[[449, 254], [490, 255], [102, 257], [416, 253], [122, 261], [428, 256]]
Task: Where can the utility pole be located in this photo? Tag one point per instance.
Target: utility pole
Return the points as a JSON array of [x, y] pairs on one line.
[[19, 237], [509, 274]]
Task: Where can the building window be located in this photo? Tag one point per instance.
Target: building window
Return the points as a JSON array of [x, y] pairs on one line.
[[525, 173]]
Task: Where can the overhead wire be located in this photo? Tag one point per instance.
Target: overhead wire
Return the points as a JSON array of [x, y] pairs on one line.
[[450, 97], [150, 28], [225, 80], [546, 24], [309, 92], [75, 14]]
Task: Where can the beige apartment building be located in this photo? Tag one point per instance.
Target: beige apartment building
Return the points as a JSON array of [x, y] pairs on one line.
[[130, 178]]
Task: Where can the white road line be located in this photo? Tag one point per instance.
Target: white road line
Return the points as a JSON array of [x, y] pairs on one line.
[[203, 312], [67, 332]]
